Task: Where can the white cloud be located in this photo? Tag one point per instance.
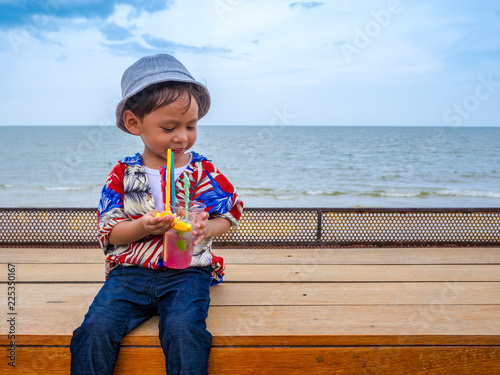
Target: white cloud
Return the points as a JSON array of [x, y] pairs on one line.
[[412, 62]]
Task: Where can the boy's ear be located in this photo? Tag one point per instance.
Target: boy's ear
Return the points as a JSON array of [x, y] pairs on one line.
[[131, 122]]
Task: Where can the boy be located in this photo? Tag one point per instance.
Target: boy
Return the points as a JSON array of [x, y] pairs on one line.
[[161, 104]]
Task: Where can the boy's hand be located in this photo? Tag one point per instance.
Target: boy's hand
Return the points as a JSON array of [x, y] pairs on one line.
[[157, 225], [201, 228], [128, 231], [204, 228]]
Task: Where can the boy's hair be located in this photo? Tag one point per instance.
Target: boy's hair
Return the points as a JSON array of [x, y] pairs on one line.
[[164, 93]]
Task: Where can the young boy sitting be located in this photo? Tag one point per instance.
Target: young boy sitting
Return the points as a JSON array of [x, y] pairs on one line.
[[161, 104]]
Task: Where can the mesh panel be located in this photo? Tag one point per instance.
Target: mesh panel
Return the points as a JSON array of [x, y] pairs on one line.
[[411, 227], [279, 227], [275, 226], [48, 226]]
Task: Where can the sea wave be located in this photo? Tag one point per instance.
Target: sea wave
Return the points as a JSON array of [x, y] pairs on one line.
[[66, 188], [255, 192], [276, 194], [47, 188], [325, 193], [468, 193], [434, 193], [396, 194], [282, 197], [284, 194]]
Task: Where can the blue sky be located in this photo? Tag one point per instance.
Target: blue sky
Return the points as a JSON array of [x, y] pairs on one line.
[[396, 62]]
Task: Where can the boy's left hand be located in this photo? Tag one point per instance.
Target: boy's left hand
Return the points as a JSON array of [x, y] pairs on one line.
[[201, 228]]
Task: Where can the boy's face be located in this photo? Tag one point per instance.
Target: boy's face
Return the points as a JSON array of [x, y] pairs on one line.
[[169, 127]]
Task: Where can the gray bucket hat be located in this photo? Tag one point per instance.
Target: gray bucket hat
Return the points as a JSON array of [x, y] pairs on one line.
[[155, 69]]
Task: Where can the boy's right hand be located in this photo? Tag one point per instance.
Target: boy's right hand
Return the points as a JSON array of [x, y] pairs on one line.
[[157, 225]]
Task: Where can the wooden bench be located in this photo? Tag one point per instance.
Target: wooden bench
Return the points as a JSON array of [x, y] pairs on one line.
[[328, 310], [285, 311]]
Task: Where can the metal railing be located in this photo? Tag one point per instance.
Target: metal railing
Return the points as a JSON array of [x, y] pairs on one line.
[[277, 227]]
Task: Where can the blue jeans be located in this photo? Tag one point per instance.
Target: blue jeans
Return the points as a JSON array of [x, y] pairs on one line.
[[132, 295]]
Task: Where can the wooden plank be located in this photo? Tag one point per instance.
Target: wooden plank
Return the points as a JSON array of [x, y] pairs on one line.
[[280, 273], [79, 296], [360, 273], [49, 255], [356, 320], [60, 319], [427, 360], [290, 340], [325, 294], [426, 255], [50, 272], [393, 361], [461, 255]]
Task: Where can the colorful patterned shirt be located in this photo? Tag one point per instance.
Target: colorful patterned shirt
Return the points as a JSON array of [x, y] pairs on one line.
[[127, 196]]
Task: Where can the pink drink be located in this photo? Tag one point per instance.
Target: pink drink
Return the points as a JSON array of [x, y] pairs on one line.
[[178, 251]]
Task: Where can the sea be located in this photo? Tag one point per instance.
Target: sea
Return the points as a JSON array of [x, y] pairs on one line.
[[270, 166]]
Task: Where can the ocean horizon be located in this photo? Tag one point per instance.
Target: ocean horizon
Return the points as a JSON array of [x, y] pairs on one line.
[[271, 166]]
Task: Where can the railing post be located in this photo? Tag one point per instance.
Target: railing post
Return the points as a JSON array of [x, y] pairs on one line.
[[319, 228]]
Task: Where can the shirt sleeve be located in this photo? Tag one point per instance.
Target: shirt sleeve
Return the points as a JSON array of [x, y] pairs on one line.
[[218, 194], [110, 210]]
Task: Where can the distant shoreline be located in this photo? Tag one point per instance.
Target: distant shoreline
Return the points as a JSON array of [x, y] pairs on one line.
[[289, 126]]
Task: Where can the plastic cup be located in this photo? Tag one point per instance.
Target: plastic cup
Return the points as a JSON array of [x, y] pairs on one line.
[[178, 247]]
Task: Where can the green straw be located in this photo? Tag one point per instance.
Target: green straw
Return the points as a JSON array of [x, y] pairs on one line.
[[186, 194]]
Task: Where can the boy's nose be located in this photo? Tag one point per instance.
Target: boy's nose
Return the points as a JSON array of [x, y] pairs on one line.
[[180, 136]]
